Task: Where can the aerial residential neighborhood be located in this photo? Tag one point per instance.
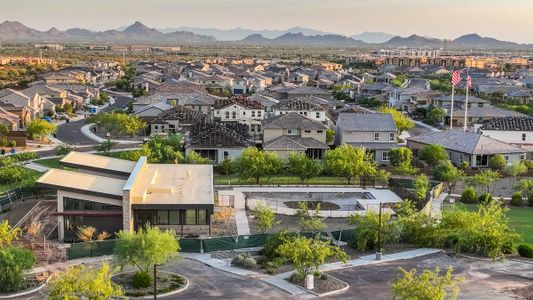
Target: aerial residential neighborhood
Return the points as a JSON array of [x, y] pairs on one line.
[[340, 152]]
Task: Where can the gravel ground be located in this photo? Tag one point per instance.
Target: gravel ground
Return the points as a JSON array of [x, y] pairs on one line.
[[291, 223]]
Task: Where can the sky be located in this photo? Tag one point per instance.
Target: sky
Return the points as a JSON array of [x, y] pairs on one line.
[[510, 20]]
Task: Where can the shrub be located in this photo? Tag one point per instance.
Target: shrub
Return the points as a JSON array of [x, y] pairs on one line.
[[142, 280], [516, 200], [64, 149], [273, 265], [497, 162], [13, 262], [525, 250], [244, 260], [469, 195], [485, 198], [530, 200], [529, 164], [273, 242]]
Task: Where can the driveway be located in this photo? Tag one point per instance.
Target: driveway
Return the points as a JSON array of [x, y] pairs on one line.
[[483, 279]]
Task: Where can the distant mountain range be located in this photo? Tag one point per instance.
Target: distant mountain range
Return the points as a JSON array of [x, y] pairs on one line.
[[140, 33]]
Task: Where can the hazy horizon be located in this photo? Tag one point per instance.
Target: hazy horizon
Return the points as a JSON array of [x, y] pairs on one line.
[[441, 19]]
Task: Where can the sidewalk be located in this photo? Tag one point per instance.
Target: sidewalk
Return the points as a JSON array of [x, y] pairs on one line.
[[86, 130], [436, 205], [279, 279]]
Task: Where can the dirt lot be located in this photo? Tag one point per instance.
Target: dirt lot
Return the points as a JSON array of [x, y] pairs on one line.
[[291, 223], [483, 279]]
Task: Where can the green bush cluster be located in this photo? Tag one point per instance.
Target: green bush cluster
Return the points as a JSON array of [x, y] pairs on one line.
[[141, 280], [525, 250], [516, 200], [469, 195], [244, 260]]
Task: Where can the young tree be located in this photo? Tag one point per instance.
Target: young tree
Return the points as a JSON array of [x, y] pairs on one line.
[[309, 220], [401, 159], [8, 234], [330, 135], [307, 255], [64, 149], [484, 179], [196, 159], [225, 167], [256, 164], [303, 167], [381, 177], [421, 187], [497, 162], [145, 248], [428, 285], [84, 282], [435, 116], [403, 123], [349, 162], [446, 172], [105, 146], [40, 128], [525, 186], [433, 154], [264, 216], [368, 227]]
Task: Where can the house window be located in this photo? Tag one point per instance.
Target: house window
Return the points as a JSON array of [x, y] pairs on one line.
[[253, 113], [235, 115], [174, 217], [226, 154], [318, 115], [307, 131], [202, 217], [289, 131], [385, 156], [227, 115], [523, 137], [259, 113], [190, 217], [244, 113], [319, 131], [392, 136], [376, 136], [522, 156], [162, 217], [305, 113]]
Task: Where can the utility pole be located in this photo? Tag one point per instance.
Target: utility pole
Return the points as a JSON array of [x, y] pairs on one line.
[[378, 251]]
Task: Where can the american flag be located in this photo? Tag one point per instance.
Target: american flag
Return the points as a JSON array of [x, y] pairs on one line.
[[469, 82], [456, 78]]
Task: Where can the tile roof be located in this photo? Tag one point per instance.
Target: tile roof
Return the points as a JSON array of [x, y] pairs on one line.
[[298, 104], [486, 112], [292, 120], [286, 142], [308, 90], [180, 113], [366, 122], [241, 101], [509, 124], [466, 142], [219, 135]]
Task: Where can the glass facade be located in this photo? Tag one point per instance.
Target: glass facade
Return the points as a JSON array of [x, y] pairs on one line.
[[70, 204], [171, 217]]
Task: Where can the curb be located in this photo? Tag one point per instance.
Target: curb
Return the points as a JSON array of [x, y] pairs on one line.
[[85, 130], [187, 283], [27, 292], [345, 288]]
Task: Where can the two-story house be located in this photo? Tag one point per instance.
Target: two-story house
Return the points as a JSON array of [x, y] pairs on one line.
[[293, 132], [177, 119], [240, 110], [516, 131], [375, 132], [304, 107]]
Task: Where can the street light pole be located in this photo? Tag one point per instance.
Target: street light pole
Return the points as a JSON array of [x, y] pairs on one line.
[[155, 281]]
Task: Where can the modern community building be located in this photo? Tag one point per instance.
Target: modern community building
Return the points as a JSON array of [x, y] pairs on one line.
[[113, 194]]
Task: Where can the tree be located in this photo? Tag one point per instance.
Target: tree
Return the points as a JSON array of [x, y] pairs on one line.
[[64, 149], [330, 135], [428, 285], [446, 172], [517, 169], [8, 234], [381, 177], [367, 226], [435, 116], [497, 162], [307, 255], [349, 162], [4, 129], [196, 159], [105, 146], [303, 167], [163, 150], [225, 167], [309, 220], [145, 247], [256, 164], [84, 282], [401, 159], [433, 154], [40, 128], [421, 187], [117, 122], [264, 216], [13, 174], [525, 186], [403, 123], [484, 179]]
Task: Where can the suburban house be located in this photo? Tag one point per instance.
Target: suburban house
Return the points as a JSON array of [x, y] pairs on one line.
[[474, 148], [201, 103], [177, 119], [241, 110], [11, 120], [150, 111], [21, 104], [218, 140], [304, 107], [516, 131], [479, 115], [409, 98], [374, 131], [112, 194], [293, 132]]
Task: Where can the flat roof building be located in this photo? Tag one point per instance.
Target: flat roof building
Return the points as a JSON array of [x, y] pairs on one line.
[[112, 194]]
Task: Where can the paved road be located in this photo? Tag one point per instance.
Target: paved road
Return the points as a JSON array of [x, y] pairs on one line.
[[70, 133]]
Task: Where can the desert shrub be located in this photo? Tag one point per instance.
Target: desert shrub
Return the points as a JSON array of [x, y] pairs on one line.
[[273, 265], [516, 200], [469, 195], [244, 260], [525, 250], [141, 280], [273, 242], [485, 198]]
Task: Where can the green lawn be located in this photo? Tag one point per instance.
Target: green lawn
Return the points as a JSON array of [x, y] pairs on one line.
[[281, 179], [520, 218]]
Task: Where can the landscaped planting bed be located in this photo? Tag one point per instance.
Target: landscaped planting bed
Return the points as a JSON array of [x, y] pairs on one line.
[[324, 205], [323, 284], [166, 283]]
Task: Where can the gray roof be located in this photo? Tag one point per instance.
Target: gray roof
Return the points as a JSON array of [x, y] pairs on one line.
[[465, 142], [510, 124], [308, 90], [286, 142], [486, 112], [366, 122], [292, 120]]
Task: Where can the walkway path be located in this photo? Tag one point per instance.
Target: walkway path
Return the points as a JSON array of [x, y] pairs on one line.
[[436, 205], [279, 279], [36, 167], [243, 228]]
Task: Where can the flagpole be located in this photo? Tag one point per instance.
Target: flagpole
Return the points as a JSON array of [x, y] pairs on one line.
[[466, 98], [451, 109]]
